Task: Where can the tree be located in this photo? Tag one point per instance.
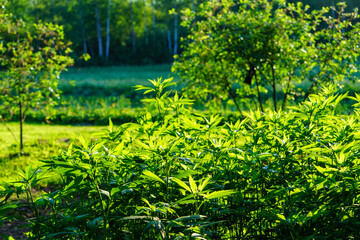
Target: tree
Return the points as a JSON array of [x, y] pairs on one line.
[[254, 46], [98, 29], [108, 31], [82, 26], [32, 57]]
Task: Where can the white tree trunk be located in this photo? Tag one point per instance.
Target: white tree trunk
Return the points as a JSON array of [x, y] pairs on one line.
[[98, 29], [107, 52]]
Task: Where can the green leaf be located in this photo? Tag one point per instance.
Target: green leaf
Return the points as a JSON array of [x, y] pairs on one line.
[[83, 142], [192, 185], [204, 183], [106, 193], [149, 175], [111, 126], [220, 194], [182, 184]]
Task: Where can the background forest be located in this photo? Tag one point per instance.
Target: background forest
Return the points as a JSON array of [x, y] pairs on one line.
[[115, 32]]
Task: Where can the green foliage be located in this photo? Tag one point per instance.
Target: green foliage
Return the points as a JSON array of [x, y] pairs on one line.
[[272, 175], [32, 57], [253, 46]]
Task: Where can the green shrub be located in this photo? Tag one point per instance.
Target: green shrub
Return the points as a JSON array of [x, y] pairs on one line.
[[178, 175], [242, 49]]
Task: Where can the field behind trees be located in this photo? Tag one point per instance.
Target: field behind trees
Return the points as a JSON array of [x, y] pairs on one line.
[[252, 132]]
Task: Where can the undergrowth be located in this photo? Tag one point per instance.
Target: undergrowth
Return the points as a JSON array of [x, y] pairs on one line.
[[179, 175]]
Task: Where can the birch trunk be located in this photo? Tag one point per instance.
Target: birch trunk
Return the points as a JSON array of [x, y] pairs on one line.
[[98, 29], [107, 52]]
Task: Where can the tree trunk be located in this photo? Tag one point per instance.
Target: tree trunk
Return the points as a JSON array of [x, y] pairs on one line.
[[258, 93], [83, 33], [175, 30], [92, 52], [169, 40], [133, 39], [108, 31], [233, 96], [21, 126], [274, 86], [98, 28], [286, 92]]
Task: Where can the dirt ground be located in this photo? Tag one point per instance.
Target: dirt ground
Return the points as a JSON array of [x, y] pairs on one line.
[[17, 228]]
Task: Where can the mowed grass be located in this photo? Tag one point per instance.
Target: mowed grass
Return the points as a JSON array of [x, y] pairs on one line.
[[40, 142]]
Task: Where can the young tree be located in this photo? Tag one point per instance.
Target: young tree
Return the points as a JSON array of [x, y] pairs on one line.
[[266, 44], [32, 57]]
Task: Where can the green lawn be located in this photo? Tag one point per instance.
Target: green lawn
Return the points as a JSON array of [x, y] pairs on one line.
[[125, 75], [100, 80], [41, 142]]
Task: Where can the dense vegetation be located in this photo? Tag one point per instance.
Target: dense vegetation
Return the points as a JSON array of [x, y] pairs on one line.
[[177, 175], [170, 170]]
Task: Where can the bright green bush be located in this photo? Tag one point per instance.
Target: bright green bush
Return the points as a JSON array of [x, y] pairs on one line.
[[178, 175], [244, 49]]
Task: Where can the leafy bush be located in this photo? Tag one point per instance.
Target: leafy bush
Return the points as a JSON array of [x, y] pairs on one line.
[[177, 175]]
